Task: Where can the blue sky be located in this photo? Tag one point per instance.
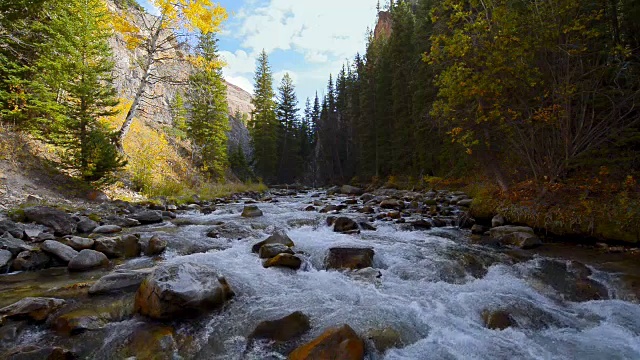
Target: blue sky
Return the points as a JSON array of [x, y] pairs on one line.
[[307, 39]]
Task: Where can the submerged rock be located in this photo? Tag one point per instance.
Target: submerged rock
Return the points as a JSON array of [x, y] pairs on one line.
[[571, 281], [155, 246], [87, 260], [278, 237], [284, 260], [76, 322], [336, 343], [151, 342], [497, 320], [349, 258], [345, 225], [251, 211], [58, 220], [61, 251], [178, 290], [36, 309], [36, 353], [285, 329], [385, 339]]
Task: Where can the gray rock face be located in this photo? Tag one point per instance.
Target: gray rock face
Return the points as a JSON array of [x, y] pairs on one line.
[[278, 237], [31, 260], [36, 309], [59, 250], [148, 217], [16, 230], [119, 281], [349, 258], [87, 260], [251, 211], [155, 246], [177, 290], [5, 260], [86, 225], [15, 246], [79, 243], [107, 229], [268, 251], [58, 220]]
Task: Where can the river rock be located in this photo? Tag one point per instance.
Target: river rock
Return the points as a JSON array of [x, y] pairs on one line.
[[155, 246], [86, 226], [498, 221], [285, 329], [87, 260], [497, 320], [127, 246], [268, 251], [385, 339], [251, 211], [121, 221], [176, 290], [33, 308], [349, 258], [58, 220], [336, 343], [16, 230], [61, 251], [345, 225], [367, 226], [523, 240], [465, 202], [478, 229], [148, 217], [5, 260], [151, 342], [570, 281], [32, 352], [278, 237], [31, 260], [119, 281], [421, 224], [351, 190], [500, 231], [78, 243], [77, 322], [391, 204], [107, 229], [284, 260], [15, 246]]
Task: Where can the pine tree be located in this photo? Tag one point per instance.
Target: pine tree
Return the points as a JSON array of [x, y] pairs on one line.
[[208, 119], [75, 83], [263, 125], [287, 110]]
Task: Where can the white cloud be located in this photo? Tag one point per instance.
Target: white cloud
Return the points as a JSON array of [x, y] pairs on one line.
[[320, 30], [243, 82], [239, 62]]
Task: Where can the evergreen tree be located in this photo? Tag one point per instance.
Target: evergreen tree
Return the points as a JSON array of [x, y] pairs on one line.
[[75, 85], [208, 119], [263, 125], [287, 112]]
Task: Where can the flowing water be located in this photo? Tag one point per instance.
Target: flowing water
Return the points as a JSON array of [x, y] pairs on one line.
[[434, 286]]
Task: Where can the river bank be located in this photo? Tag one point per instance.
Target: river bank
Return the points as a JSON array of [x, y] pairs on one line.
[[400, 273]]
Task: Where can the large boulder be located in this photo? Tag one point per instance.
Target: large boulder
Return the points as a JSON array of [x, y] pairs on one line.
[[285, 329], [36, 309], [278, 237], [251, 211], [178, 290], [58, 220], [148, 217], [119, 281], [12, 244], [16, 230], [336, 343], [349, 258], [268, 251], [31, 260], [5, 260], [284, 260], [345, 225], [127, 246], [59, 250], [500, 231], [87, 260], [86, 225]]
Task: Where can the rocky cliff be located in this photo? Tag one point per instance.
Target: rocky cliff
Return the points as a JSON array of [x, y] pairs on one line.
[[156, 109]]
